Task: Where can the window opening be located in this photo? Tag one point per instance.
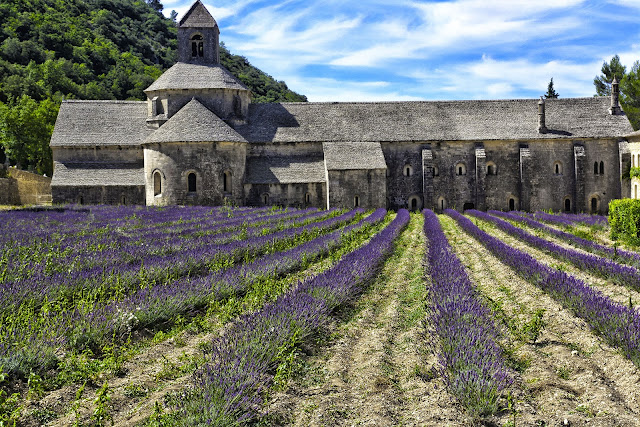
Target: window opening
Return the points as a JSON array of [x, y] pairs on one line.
[[265, 199], [558, 168], [595, 168], [81, 200], [436, 171], [512, 204], [594, 204], [601, 168], [461, 169], [197, 46], [226, 182], [157, 184], [307, 198], [191, 181], [123, 200], [356, 201], [567, 205], [408, 171]]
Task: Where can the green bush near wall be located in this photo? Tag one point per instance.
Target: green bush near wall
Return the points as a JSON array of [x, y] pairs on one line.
[[624, 219]]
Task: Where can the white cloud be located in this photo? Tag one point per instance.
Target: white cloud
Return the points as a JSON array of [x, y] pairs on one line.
[[331, 90]]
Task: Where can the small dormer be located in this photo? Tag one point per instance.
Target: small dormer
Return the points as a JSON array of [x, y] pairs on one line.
[[198, 37]]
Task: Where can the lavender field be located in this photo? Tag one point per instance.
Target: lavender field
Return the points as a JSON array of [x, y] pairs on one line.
[[185, 316]]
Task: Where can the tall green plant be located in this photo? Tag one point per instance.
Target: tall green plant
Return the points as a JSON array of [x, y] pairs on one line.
[[624, 220]]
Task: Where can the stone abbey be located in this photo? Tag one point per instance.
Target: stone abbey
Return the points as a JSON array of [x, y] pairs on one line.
[[198, 139]]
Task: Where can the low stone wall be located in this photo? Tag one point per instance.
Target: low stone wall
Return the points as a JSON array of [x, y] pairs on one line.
[[24, 188]]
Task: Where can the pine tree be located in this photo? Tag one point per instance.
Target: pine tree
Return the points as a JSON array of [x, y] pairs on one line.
[[613, 69], [551, 92]]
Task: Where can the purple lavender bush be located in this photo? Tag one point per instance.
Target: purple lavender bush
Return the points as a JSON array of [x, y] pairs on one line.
[[471, 361], [618, 324], [622, 274], [229, 389]]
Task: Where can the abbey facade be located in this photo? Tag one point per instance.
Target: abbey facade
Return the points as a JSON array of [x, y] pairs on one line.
[[198, 139]]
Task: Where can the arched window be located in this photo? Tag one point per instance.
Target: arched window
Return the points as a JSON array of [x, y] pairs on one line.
[[492, 169], [307, 198], [197, 46], [594, 205], [408, 170], [81, 200], [633, 161], [436, 171], [265, 199], [567, 205], [595, 168], [123, 200], [601, 168], [557, 168], [512, 204], [356, 202], [226, 182], [414, 203], [461, 169], [157, 184], [442, 203], [191, 182]]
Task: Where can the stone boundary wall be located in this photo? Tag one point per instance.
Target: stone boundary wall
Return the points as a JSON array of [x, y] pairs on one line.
[[24, 188]]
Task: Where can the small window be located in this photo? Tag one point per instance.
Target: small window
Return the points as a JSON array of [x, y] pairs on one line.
[[594, 205], [197, 46], [595, 168], [492, 169], [226, 182], [356, 202], [414, 203], [567, 205], [512, 204], [157, 184], [557, 168], [436, 171], [633, 161], [123, 200], [461, 169], [307, 198], [442, 203], [408, 170], [601, 168], [81, 200], [191, 182], [265, 199]]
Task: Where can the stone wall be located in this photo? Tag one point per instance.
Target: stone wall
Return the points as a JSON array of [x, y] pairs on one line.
[[303, 195], [174, 162], [369, 186], [99, 195], [24, 188]]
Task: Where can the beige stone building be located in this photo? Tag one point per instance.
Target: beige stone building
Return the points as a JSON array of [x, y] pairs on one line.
[[198, 139]]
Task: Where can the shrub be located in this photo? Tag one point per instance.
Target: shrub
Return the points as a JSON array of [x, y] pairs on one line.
[[624, 219]]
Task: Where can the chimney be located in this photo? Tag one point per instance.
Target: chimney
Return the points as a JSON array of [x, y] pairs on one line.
[[615, 95], [541, 126]]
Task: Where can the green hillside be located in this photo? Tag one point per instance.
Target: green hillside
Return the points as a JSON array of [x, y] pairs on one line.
[[87, 49]]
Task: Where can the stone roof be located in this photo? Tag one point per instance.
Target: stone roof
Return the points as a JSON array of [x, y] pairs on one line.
[[184, 75], [100, 123], [98, 174], [432, 121], [353, 155], [197, 17], [285, 169], [195, 123]]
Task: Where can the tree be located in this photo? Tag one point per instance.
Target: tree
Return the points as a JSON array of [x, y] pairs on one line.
[[613, 69], [551, 92], [630, 95]]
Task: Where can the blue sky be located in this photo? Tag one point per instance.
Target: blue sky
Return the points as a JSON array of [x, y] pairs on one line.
[[383, 50]]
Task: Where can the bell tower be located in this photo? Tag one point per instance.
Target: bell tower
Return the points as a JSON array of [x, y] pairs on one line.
[[198, 37]]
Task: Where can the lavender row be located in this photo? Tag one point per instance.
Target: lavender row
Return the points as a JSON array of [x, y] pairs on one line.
[[615, 254], [472, 362], [622, 274], [229, 388], [81, 328], [100, 283], [569, 220], [618, 324]]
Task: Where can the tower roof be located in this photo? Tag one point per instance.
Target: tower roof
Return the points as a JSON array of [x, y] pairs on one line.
[[197, 17], [195, 123], [195, 76]]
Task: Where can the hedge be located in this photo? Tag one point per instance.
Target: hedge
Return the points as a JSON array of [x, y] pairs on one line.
[[624, 219]]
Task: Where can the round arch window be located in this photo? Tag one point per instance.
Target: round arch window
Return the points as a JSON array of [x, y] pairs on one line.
[[461, 169], [408, 170], [157, 184]]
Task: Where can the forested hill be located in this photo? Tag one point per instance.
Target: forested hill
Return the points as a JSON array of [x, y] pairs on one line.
[[88, 49]]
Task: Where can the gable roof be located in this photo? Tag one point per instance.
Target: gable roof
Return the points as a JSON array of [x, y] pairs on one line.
[[195, 123], [432, 121], [100, 123], [197, 17], [353, 155], [184, 75], [285, 169]]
